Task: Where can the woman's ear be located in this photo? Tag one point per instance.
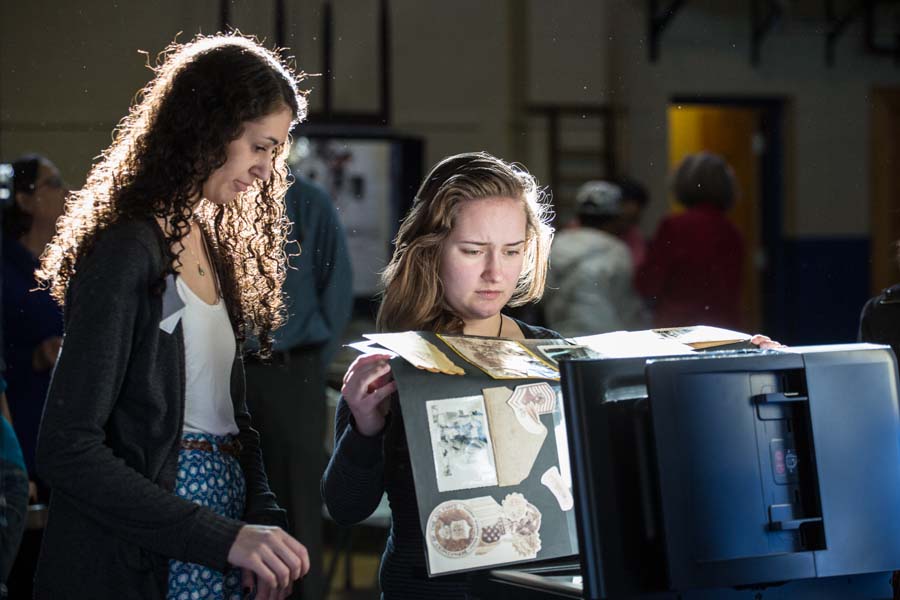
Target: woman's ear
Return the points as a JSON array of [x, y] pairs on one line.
[[25, 202]]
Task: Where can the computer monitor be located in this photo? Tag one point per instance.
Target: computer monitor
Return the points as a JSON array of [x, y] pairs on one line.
[[728, 470]]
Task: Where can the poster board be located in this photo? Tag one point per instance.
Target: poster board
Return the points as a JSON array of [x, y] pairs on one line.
[[486, 431], [491, 491]]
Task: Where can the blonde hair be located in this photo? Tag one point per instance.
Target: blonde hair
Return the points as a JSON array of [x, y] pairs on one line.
[[413, 296]]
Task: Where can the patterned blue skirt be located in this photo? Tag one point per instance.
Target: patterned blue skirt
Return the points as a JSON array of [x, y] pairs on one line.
[[215, 480]]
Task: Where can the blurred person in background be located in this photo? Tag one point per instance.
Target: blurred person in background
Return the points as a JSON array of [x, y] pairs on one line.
[[32, 321], [13, 493], [694, 266], [634, 201], [589, 284], [879, 321], [286, 394], [32, 326]]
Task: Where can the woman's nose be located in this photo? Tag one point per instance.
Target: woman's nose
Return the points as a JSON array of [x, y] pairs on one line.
[[491, 271], [262, 170]]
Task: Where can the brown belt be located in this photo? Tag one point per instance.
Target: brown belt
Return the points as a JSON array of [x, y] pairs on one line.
[[231, 448]]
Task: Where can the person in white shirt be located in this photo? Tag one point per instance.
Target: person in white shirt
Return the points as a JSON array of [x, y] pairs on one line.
[[589, 285]]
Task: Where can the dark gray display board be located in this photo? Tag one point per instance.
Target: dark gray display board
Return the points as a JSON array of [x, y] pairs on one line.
[[467, 531]]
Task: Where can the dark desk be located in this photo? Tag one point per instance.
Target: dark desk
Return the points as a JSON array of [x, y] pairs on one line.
[[563, 580], [553, 579]]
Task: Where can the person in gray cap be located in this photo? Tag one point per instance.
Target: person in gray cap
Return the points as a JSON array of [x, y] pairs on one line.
[[589, 286]]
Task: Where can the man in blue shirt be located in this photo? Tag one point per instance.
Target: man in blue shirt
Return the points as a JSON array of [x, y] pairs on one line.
[[286, 396]]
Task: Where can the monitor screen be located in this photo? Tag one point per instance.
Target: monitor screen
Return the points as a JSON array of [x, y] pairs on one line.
[[734, 469]]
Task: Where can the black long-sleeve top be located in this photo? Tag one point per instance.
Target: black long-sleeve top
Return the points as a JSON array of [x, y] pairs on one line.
[[110, 436], [361, 470]]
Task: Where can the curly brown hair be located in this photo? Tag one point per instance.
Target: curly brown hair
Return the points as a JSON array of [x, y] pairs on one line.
[[174, 137], [413, 297]]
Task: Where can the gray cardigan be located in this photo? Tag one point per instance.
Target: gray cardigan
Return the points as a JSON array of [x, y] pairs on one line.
[[109, 439]]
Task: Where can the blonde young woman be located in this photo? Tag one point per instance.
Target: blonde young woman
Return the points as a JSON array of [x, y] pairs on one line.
[[168, 257], [476, 240]]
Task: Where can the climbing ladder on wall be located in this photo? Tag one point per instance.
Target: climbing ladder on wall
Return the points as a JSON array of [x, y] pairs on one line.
[[581, 146]]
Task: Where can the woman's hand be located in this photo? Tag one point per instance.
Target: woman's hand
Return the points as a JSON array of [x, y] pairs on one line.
[[367, 387], [272, 557], [764, 342], [263, 591], [44, 357]]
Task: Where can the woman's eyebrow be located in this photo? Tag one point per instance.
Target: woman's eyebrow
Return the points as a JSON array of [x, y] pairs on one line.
[[488, 243]]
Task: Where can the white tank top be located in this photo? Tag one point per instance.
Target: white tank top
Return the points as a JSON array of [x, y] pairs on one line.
[[209, 349]]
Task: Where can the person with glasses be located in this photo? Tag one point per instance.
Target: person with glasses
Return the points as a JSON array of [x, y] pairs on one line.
[[32, 321], [32, 327]]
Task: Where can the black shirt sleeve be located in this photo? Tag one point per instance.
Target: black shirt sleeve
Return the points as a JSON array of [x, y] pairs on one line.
[[353, 483], [107, 307]]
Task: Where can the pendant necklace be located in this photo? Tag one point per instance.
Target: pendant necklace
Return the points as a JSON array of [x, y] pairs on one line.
[[203, 273], [500, 331]]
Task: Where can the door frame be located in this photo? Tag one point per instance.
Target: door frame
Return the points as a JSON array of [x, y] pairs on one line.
[[884, 154]]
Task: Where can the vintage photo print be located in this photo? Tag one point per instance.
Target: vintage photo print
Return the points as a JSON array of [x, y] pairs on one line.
[[418, 351], [553, 353], [480, 532], [554, 481], [501, 359], [529, 402], [516, 447], [461, 443]]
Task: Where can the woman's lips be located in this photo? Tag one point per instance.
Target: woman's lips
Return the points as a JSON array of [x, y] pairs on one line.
[[240, 185], [489, 294]]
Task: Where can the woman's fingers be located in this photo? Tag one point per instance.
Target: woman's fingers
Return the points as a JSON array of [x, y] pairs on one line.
[[272, 555], [362, 361], [364, 380], [383, 406], [380, 381], [361, 367], [366, 399], [248, 580], [293, 555], [265, 578], [765, 342], [280, 570], [264, 591], [300, 552]]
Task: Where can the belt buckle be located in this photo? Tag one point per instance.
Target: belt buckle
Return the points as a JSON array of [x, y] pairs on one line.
[[233, 448]]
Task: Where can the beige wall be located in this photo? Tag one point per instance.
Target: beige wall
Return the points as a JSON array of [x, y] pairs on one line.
[[706, 51], [68, 71], [463, 70], [463, 73]]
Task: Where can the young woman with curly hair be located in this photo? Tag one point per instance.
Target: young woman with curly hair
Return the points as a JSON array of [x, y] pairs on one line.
[[169, 256], [476, 240]]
